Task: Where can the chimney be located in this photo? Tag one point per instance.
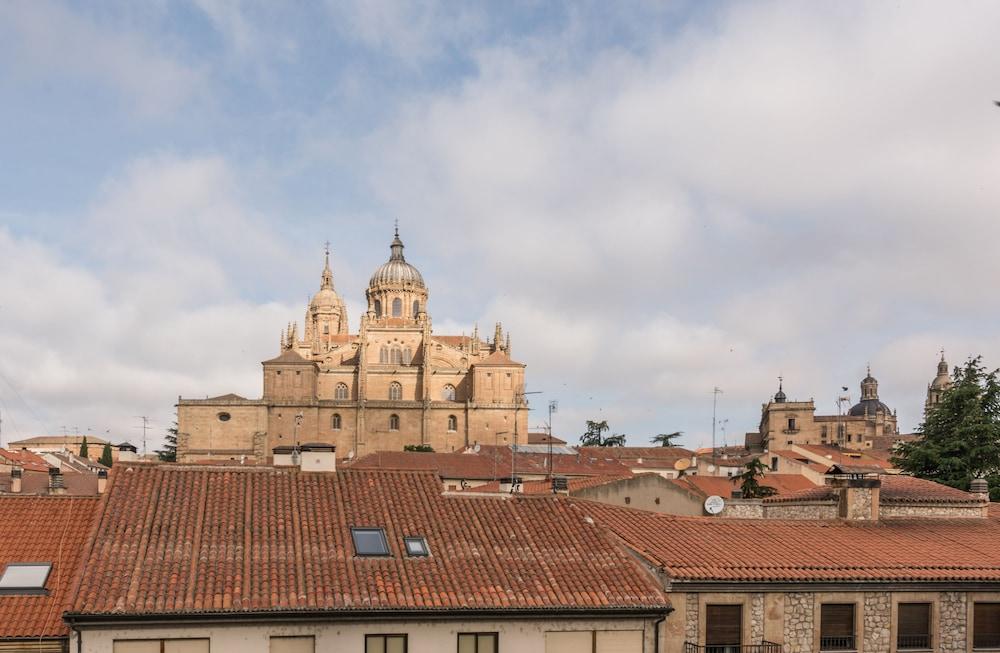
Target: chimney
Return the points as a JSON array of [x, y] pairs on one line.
[[560, 485], [56, 485], [127, 452], [318, 457], [859, 496], [511, 485], [284, 456], [102, 480], [15, 480]]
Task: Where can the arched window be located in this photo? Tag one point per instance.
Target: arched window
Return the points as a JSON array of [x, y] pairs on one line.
[[341, 392], [407, 356], [395, 391], [397, 356], [448, 392], [397, 307], [335, 422], [378, 308], [393, 422], [383, 355], [452, 423], [416, 307]]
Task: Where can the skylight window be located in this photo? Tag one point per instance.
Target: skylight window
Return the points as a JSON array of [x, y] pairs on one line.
[[25, 577], [370, 541], [416, 547]]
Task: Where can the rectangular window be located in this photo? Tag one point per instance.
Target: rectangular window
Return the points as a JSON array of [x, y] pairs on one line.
[[160, 646], [913, 627], [986, 625], [478, 643], [25, 577], [822, 432], [416, 547], [791, 423], [836, 627], [293, 644], [385, 643], [598, 641], [723, 626], [370, 542]]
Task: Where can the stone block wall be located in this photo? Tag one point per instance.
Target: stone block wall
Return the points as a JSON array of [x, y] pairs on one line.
[[952, 622], [877, 622], [800, 623]]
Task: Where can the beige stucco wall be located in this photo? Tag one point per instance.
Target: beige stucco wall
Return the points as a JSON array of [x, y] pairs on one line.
[[647, 492], [523, 636]]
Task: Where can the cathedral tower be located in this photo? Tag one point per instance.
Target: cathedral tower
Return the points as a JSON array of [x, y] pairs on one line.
[[396, 292], [326, 316], [937, 387]]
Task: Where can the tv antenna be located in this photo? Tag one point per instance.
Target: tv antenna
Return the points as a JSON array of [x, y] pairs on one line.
[[716, 391], [144, 427]]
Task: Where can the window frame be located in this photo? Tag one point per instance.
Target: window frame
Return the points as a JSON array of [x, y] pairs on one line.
[[452, 423], [33, 590], [336, 422], [852, 642], [312, 638], [720, 607], [981, 647], [405, 636], [394, 422], [395, 391], [448, 392], [929, 606], [162, 641], [488, 633], [397, 307], [423, 543], [376, 529], [341, 391]]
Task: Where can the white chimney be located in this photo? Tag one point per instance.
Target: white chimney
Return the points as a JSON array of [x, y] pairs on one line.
[[318, 457], [102, 481], [511, 485], [15, 480], [284, 456]]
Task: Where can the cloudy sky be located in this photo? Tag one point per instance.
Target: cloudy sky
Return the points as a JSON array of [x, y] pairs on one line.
[[655, 198]]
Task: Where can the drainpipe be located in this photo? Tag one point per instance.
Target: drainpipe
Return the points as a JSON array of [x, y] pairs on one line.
[[656, 633], [79, 639]]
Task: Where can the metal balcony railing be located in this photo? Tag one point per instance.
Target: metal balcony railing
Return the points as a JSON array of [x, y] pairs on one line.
[[913, 642], [763, 647], [839, 643], [985, 641]]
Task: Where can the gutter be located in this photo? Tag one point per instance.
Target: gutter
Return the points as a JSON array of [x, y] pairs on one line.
[[831, 586], [77, 619]]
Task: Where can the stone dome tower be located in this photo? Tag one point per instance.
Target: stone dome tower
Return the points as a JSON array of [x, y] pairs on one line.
[[396, 292], [869, 405], [940, 383], [326, 315]]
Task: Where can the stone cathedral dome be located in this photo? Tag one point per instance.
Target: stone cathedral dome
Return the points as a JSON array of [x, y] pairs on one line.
[[396, 271]]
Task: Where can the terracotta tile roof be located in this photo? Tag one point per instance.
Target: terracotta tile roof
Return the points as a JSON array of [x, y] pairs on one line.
[[630, 455], [545, 486], [81, 484], [470, 466], [751, 550], [454, 341], [543, 438], [896, 489], [799, 458], [289, 357], [723, 486], [177, 539], [51, 529], [845, 456], [26, 460], [499, 359], [69, 440]]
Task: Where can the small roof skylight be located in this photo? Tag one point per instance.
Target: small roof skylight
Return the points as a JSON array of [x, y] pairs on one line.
[[370, 541], [416, 546], [25, 577]]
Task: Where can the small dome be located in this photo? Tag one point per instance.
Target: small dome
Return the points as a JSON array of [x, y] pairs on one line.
[[396, 271], [326, 297]]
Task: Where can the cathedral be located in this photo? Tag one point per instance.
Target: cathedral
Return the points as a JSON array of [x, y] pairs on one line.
[[392, 384]]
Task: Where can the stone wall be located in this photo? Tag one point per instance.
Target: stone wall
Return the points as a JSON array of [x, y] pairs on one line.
[[756, 618], [877, 622], [934, 510], [804, 510], [799, 622], [691, 617], [743, 509], [952, 633]]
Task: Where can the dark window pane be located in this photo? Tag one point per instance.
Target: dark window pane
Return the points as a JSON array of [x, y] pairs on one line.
[[723, 625], [836, 627], [914, 626], [370, 542], [986, 625]]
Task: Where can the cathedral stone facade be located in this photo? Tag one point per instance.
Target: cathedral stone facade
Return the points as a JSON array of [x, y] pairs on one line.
[[394, 383]]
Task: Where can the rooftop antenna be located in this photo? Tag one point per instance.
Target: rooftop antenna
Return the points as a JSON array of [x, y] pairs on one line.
[[716, 391], [144, 427], [553, 408]]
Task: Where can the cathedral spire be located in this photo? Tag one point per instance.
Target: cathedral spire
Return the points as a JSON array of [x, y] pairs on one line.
[[397, 246], [327, 282]]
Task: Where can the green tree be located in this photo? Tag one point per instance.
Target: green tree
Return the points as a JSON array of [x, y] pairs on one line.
[[959, 439], [106, 459], [424, 448], [667, 439], [168, 453], [594, 437], [750, 479], [84, 453]]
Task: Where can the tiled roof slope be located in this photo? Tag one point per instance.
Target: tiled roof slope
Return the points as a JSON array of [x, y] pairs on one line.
[[231, 541], [895, 490], [759, 550], [545, 486], [26, 460], [43, 529], [723, 486]]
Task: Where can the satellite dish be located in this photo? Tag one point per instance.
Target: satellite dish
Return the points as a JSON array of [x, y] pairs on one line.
[[714, 504], [710, 469], [476, 448], [681, 464], [350, 454]]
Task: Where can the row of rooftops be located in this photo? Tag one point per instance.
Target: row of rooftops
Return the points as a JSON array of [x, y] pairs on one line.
[[225, 541]]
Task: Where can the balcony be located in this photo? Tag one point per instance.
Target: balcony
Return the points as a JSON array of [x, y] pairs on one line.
[[913, 642], [838, 643], [763, 647]]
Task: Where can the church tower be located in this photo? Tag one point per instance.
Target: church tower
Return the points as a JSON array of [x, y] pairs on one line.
[[937, 387], [326, 316]]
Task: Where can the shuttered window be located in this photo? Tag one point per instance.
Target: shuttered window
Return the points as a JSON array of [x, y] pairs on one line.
[[477, 643], [160, 646], [589, 641], [836, 628], [293, 645], [913, 628], [723, 625], [986, 625]]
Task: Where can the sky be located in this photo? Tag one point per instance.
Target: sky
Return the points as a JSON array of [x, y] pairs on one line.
[[656, 199]]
